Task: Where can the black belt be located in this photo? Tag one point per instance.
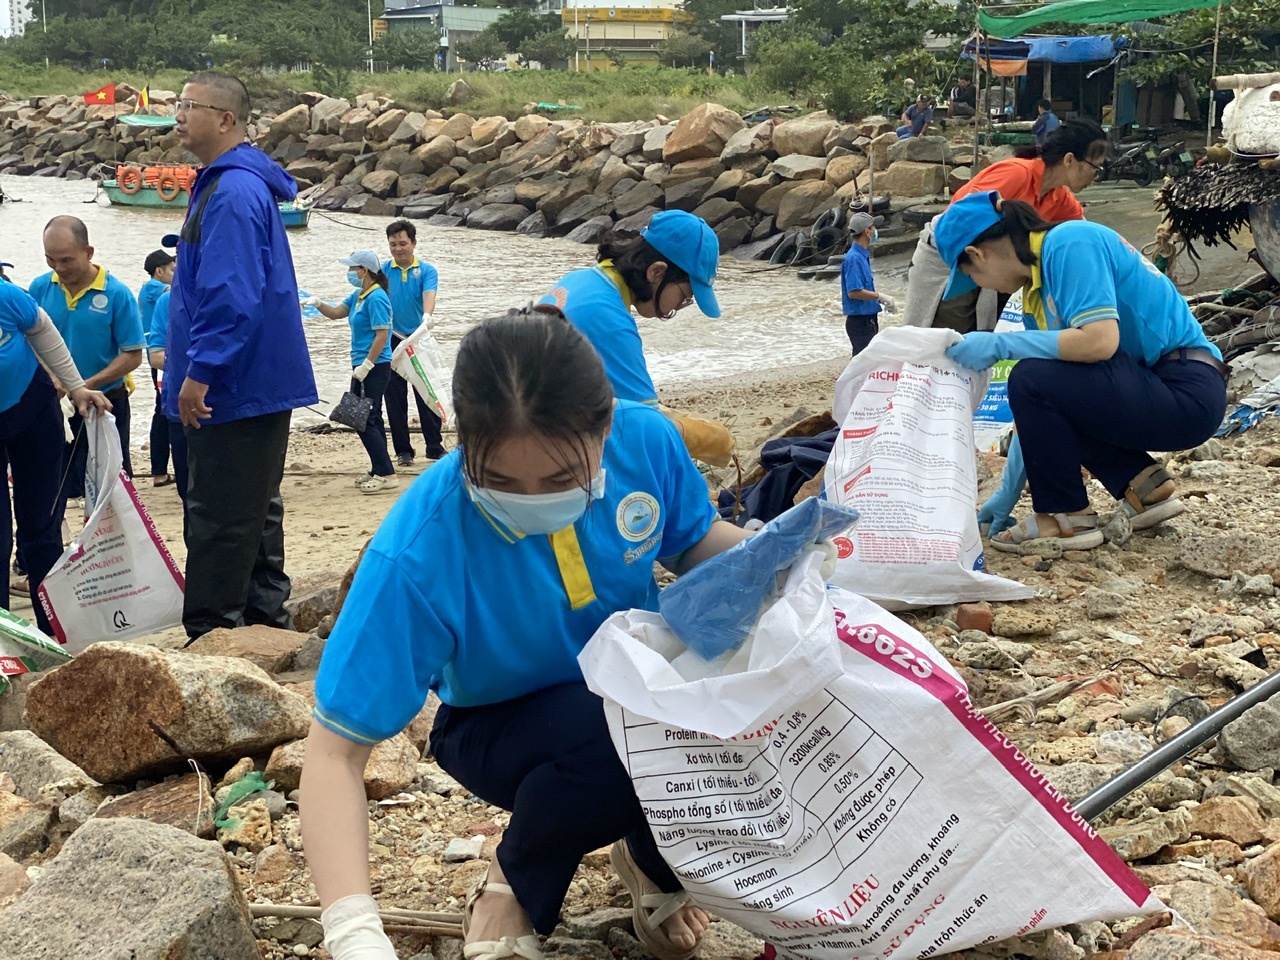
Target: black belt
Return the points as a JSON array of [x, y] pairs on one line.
[[1200, 356]]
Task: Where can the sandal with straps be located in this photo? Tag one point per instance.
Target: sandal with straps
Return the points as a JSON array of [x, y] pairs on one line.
[[524, 948], [650, 907], [1076, 531], [1143, 515]]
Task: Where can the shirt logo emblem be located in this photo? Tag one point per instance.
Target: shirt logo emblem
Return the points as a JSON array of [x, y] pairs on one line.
[[99, 301], [5, 337], [638, 516]]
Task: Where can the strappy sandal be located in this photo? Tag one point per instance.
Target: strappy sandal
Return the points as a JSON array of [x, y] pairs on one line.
[[650, 907], [525, 948], [1143, 515], [1076, 531]]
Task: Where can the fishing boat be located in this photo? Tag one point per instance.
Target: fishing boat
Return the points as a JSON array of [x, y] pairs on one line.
[[169, 187], [296, 214]]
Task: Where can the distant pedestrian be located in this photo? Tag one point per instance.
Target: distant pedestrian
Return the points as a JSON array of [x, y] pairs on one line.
[[31, 435], [1046, 122], [175, 438], [858, 295], [916, 118], [413, 285], [368, 311], [159, 266], [236, 364], [97, 316], [964, 100]]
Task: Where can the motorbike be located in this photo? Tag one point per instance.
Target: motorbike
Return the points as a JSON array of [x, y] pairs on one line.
[[1138, 162], [1176, 161]]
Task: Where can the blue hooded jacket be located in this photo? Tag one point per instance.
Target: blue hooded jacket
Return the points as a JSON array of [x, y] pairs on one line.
[[235, 321]]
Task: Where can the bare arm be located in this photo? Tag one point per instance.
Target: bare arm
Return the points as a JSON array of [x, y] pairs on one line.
[[125, 363], [429, 302], [339, 312], [335, 814], [718, 539], [156, 359], [379, 341], [862, 295], [1092, 343]]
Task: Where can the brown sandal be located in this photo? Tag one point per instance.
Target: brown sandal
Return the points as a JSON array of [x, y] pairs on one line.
[[1143, 514]]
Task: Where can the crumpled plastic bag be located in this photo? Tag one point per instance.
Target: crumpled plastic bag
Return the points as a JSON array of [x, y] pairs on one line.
[[249, 785], [713, 607]]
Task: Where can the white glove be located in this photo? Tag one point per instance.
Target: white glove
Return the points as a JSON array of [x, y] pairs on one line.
[[363, 370], [429, 321], [827, 550], [353, 930], [890, 305], [312, 302]]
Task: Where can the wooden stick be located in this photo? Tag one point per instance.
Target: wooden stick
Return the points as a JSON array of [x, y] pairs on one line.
[[393, 920]]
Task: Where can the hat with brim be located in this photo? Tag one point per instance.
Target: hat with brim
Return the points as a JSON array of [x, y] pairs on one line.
[[170, 240], [861, 222], [362, 258], [962, 223], [687, 242]]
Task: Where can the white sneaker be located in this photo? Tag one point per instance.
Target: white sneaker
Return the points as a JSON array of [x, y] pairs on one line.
[[379, 484], [361, 481]]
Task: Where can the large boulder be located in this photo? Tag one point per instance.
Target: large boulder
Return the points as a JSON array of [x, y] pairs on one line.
[[182, 802], [392, 766], [655, 141], [727, 184], [753, 191], [717, 209], [115, 709], [355, 122], [484, 130], [709, 167], [842, 170], [800, 207], [581, 210], [531, 126], [385, 125], [688, 195], [459, 92], [458, 127], [805, 135], [640, 197], [498, 216], [702, 132], [131, 889], [327, 114], [380, 183], [754, 141], [922, 150], [906, 178], [295, 121], [407, 131], [614, 171], [436, 153], [33, 764], [797, 166], [270, 648]]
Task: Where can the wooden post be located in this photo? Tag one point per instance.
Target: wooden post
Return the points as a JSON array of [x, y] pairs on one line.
[[1213, 72]]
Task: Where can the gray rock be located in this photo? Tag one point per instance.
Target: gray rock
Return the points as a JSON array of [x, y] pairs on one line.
[[1241, 585], [308, 656], [460, 850], [654, 140], [994, 654], [1215, 624], [534, 225], [459, 92], [1077, 780], [643, 194], [922, 150], [591, 231], [732, 232], [597, 924], [1211, 449], [1207, 470], [110, 893], [1102, 605], [1117, 528], [1253, 741], [798, 167], [33, 763], [498, 216], [688, 195]]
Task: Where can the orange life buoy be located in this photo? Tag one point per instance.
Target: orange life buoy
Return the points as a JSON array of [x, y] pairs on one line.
[[129, 180], [168, 187]]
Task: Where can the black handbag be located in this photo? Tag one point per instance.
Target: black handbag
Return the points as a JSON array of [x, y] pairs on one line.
[[353, 410]]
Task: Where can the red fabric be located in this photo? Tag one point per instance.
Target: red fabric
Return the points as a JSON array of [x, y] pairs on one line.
[[1017, 179], [107, 95]]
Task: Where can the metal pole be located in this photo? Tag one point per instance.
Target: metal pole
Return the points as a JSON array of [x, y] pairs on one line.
[[577, 38], [1170, 752], [1213, 72], [368, 4]]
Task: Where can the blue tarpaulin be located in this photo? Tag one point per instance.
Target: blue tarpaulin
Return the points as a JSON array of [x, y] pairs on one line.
[[1047, 49]]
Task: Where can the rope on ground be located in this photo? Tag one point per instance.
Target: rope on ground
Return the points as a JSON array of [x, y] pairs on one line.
[[343, 223], [1169, 245]]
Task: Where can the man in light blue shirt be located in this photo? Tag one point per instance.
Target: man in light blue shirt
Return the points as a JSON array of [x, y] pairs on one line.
[[412, 285], [159, 266], [98, 318]]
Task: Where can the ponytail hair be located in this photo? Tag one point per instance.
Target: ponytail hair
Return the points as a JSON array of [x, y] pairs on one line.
[[380, 279], [1018, 221]]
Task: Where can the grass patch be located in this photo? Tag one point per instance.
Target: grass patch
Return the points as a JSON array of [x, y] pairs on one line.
[[23, 80]]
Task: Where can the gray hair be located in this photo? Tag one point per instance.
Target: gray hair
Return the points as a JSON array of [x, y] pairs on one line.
[[233, 87]]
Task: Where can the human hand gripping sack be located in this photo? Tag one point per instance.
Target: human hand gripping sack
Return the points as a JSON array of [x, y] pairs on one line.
[[981, 351], [363, 370], [353, 930]]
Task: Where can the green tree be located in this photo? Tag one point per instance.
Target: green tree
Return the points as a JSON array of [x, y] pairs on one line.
[[516, 27], [788, 56], [724, 38], [409, 49], [554, 46], [684, 50], [484, 50]]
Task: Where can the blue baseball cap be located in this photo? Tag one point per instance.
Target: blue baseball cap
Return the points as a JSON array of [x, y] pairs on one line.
[[962, 223], [691, 245], [170, 240]]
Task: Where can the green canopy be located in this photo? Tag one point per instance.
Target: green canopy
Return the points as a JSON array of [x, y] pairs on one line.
[[147, 120], [1086, 11]]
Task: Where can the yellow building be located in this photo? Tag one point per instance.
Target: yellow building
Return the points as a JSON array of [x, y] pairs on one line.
[[608, 36]]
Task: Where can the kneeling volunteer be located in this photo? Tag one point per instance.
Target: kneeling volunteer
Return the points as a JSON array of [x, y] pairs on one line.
[[1112, 363], [550, 513]]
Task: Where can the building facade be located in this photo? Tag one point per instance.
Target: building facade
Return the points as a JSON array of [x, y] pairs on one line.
[[454, 24], [632, 31], [14, 16]]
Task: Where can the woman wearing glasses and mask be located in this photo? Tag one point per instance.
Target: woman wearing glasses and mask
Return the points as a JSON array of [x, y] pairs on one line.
[[554, 489], [1068, 162]]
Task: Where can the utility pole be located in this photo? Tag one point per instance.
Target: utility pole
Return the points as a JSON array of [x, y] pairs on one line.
[[369, 11]]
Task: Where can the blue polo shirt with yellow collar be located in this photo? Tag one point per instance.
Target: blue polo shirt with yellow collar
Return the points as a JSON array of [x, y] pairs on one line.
[[368, 312], [98, 323], [407, 285], [506, 615]]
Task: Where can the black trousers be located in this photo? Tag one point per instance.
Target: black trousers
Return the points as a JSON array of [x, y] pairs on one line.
[[235, 525], [31, 446], [374, 434], [398, 391], [860, 330], [548, 759], [76, 453], [177, 442], [159, 433]]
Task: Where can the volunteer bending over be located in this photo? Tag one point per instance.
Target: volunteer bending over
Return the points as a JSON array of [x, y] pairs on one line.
[[1112, 363], [483, 584], [31, 434], [669, 267], [1068, 162]]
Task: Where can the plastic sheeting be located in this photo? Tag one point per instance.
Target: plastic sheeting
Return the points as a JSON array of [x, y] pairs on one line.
[[1086, 11], [1045, 49]]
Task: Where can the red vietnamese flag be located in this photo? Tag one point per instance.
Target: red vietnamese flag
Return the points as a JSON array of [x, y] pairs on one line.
[[106, 95]]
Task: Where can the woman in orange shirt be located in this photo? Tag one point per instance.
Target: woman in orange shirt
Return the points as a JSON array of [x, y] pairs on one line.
[[1069, 161]]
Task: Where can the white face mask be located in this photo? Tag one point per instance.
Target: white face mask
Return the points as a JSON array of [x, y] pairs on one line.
[[534, 514]]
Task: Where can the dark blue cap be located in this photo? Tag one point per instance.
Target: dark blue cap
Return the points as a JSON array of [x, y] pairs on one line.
[[170, 241]]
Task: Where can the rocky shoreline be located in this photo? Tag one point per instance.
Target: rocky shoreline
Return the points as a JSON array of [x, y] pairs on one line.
[[756, 184]]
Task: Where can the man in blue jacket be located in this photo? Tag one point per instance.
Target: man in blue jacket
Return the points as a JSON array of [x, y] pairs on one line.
[[236, 365]]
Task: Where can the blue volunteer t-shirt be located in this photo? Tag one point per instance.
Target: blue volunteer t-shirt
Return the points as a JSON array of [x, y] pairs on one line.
[[368, 312], [406, 286], [98, 323], [855, 274], [18, 314], [1088, 272], [599, 305], [159, 332], [147, 298], [447, 599]]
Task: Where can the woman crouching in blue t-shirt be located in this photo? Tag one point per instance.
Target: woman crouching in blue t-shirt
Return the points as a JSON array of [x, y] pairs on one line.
[[1112, 364], [483, 584]]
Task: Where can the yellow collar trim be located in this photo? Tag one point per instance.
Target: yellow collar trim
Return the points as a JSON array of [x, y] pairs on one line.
[[365, 293], [610, 271], [1032, 295], [99, 283], [404, 271]]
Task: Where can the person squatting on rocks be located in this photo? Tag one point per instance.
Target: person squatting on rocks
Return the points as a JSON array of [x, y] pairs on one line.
[[159, 267], [236, 364], [1068, 163], [1111, 364], [554, 490], [31, 435], [97, 316], [368, 311], [413, 285], [668, 268]]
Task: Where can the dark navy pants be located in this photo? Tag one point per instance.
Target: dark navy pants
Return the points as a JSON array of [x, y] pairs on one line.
[[860, 330], [159, 433], [31, 442], [177, 443], [398, 393], [374, 434], [548, 759], [1105, 417]]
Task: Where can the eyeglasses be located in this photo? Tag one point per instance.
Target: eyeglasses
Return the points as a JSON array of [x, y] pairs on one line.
[[1097, 167], [185, 105]]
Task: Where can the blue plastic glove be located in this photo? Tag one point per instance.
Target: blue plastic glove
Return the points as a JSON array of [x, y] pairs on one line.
[[980, 350], [998, 509]]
